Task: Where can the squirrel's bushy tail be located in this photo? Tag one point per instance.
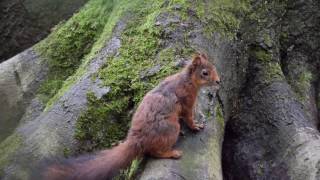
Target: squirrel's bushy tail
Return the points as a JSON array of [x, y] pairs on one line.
[[103, 166]]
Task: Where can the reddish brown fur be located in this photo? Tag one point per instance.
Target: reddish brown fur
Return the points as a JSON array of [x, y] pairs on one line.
[[155, 125]]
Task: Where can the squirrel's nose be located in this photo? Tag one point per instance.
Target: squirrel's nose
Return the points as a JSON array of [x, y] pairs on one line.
[[218, 82]]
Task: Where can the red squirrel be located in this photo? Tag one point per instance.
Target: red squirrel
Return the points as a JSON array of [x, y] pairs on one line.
[[155, 125]]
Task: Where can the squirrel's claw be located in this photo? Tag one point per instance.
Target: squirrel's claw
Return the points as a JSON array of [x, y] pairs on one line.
[[198, 127], [176, 154]]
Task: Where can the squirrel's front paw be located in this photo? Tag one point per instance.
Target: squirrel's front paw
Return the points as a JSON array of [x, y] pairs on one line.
[[197, 127], [176, 154]]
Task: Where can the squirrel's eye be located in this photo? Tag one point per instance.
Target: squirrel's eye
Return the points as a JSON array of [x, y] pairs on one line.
[[204, 72]]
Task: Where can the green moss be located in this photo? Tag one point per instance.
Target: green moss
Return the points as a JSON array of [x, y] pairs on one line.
[[123, 73], [270, 69], [66, 152], [219, 115], [130, 172], [65, 48], [267, 39], [8, 147], [301, 84], [262, 55], [100, 124], [273, 72], [284, 38], [119, 10], [304, 79], [180, 7], [222, 16]]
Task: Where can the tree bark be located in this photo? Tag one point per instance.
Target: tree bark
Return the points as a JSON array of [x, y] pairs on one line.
[[271, 131]]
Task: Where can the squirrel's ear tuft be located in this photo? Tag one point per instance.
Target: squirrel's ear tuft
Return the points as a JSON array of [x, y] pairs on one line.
[[196, 60]]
